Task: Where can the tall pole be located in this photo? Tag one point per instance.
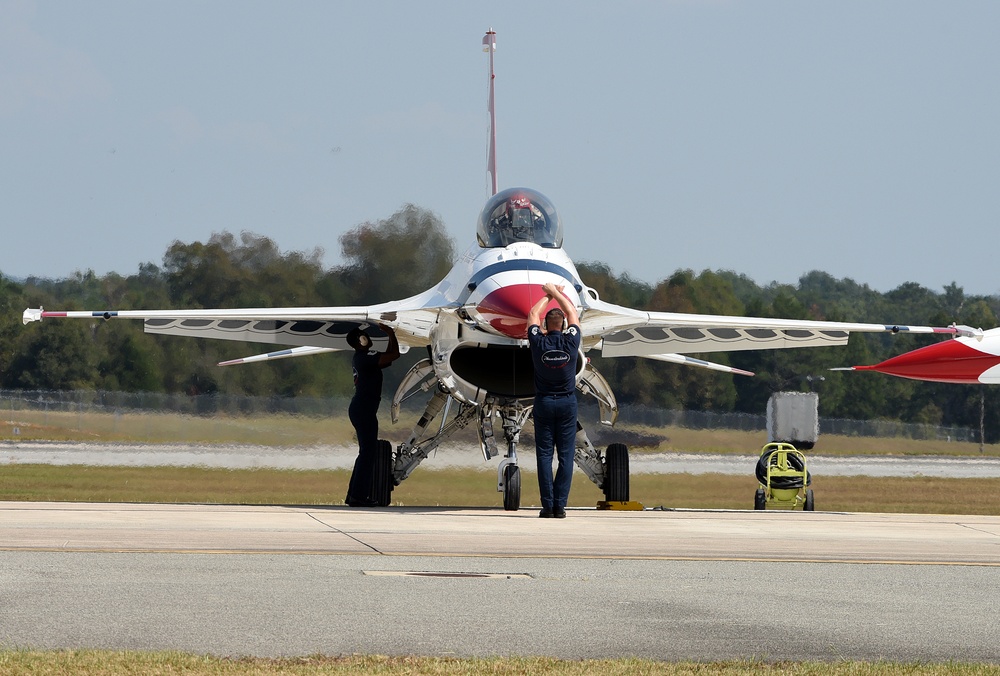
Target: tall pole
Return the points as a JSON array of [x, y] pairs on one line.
[[490, 45]]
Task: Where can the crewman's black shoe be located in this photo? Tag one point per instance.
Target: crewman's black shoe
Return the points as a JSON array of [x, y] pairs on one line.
[[559, 513], [545, 513], [353, 502]]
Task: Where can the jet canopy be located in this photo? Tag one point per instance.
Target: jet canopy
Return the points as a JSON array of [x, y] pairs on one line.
[[519, 215]]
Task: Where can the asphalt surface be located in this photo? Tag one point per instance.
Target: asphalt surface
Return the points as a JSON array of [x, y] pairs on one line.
[[668, 585]]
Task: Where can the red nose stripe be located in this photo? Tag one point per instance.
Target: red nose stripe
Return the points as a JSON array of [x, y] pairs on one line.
[[507, 308], [949, 362]]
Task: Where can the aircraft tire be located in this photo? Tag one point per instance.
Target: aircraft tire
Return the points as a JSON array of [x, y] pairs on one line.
[[616, 474], [382, 476], [511, 488]]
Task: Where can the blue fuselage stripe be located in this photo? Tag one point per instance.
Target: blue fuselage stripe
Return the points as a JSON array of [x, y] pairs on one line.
[[506, 266]]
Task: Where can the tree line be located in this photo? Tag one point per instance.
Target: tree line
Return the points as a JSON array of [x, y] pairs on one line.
[[409, 252]]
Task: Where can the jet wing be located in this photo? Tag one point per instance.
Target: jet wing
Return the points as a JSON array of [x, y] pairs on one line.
[[623, 332], [298, 327]]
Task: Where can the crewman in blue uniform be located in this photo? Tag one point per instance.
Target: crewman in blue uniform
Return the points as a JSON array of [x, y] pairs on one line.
[[367, 364], [554, 354]]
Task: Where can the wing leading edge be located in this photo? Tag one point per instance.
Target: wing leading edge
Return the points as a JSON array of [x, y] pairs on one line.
[[297, 327], [622, 332]]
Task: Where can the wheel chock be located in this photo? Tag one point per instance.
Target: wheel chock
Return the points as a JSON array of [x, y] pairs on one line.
[[630, 505]]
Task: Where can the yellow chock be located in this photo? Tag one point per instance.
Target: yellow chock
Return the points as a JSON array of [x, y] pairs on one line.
[[631, 505]]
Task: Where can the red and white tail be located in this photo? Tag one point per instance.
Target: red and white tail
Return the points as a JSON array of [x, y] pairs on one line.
[[490, 45], [972, 358]]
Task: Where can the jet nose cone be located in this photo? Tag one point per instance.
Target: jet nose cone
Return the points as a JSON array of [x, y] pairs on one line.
[[952, 361], [506, 308]]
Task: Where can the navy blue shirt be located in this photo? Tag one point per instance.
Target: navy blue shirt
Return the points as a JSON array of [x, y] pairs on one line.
[[367, 374], [554, 356]]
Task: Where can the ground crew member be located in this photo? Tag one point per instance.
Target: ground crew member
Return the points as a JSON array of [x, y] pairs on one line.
[[554, 355], [367, 365]]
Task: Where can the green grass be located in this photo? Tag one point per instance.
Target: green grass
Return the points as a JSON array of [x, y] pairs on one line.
[[268, 430], [104, 663], [475, 488]]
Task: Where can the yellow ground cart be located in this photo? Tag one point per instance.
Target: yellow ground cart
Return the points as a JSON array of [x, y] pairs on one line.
[[784, 479]]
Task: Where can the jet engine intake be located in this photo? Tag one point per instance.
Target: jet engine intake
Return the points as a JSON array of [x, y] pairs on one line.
[[501, 370]]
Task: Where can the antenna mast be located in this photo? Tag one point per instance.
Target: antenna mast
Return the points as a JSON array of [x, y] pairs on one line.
[[490, 45]]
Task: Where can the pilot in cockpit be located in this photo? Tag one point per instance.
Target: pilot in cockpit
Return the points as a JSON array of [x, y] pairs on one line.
[[519, 215], [522, 227]]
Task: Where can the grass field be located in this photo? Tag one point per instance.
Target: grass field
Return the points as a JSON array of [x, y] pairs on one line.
[[474, 488], [104, 663], [453, 487], [270, 430]]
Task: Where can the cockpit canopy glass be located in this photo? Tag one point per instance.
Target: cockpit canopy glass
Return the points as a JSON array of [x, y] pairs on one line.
[[519, 215]]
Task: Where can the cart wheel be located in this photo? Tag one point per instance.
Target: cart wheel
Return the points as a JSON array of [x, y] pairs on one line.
[[759, 500], [810, 505]]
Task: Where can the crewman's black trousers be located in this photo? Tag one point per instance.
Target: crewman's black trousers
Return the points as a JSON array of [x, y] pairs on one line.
[[363, 413]]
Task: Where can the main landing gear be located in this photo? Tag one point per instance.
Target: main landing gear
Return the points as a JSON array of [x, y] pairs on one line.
[[500, 420], [609, 470]]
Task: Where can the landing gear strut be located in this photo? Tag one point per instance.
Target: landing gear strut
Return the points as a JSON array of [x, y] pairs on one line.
[[513, 414]]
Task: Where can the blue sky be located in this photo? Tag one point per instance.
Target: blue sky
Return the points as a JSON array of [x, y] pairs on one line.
[[861, 138]]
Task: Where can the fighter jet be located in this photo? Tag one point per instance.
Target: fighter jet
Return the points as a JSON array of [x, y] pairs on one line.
[[478, 368], [971, 358]]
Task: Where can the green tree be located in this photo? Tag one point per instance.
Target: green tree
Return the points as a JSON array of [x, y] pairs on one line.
[[12, 303], [397, 257], [692, 387], [978, 314], [58, 355], [249, 272], [129, 360], [623, 290]]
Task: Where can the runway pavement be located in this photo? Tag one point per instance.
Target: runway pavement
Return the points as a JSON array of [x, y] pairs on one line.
[[591, 533], [704, 585]]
